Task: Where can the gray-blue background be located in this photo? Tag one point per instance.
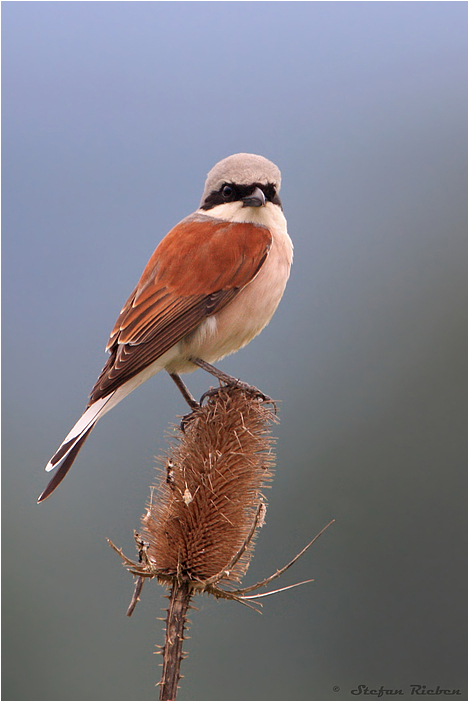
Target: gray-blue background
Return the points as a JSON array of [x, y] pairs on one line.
[[113, 113]]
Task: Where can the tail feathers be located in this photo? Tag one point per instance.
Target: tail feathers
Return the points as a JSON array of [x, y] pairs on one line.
[[67, 460], [68, 450], [86, 421]]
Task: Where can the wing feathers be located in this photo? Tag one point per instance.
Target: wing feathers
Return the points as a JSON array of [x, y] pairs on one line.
[[193, 273]]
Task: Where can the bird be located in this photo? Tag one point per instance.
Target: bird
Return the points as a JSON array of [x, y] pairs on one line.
[[211, 285]]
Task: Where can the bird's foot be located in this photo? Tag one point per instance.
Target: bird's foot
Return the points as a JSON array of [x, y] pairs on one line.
[[229, 381], [245, 387], [190, 416]]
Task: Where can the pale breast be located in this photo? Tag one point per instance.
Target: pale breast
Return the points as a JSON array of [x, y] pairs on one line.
[[249, 312]]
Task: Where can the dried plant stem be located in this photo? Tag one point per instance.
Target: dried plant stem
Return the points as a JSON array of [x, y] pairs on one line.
[[179, 601], [200, 525]]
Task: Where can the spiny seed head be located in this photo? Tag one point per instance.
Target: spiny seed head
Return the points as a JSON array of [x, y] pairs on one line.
[[210, 488]]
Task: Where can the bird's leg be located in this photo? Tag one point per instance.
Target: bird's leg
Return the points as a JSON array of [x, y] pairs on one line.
[[191, 401], [228, 379]]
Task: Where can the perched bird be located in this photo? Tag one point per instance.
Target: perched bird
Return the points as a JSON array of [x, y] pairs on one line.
[[211, 286]]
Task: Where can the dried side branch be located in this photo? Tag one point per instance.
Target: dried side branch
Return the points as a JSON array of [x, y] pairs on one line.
[[280, 572], [136, 595]]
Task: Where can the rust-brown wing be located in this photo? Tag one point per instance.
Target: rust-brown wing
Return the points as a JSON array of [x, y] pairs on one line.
[[193, 273]]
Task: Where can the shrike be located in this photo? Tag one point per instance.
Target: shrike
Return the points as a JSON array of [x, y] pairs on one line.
[[211, 286]]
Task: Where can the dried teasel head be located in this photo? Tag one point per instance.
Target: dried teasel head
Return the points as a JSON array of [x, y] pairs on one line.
[[203, 515]]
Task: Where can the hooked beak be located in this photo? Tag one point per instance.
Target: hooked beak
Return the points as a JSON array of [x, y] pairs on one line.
[[255, 199]]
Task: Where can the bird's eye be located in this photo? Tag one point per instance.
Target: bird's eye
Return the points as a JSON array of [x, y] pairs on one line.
[[227, 191]]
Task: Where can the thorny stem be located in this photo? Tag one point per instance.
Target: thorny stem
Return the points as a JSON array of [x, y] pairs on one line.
[[179, 601]]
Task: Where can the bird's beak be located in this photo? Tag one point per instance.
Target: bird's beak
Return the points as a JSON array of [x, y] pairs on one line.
[[255, 199]]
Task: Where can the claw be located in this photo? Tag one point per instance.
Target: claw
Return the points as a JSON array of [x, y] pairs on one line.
[[209, 393], [252, 390], [187, 418]]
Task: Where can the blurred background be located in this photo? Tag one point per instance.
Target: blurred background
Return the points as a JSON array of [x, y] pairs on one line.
[[113, 113]]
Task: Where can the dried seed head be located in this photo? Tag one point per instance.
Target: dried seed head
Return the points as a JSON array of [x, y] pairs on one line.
[[210, 490]]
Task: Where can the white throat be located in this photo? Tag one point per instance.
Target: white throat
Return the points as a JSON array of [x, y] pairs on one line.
[[270, 215]]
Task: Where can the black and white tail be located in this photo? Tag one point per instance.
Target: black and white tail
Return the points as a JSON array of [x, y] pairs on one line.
[[65, 455]]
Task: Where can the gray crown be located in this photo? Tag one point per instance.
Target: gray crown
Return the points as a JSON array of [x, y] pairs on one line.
[[242, 169]]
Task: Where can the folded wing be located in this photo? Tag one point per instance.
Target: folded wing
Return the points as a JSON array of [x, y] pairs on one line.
[[195, 271]]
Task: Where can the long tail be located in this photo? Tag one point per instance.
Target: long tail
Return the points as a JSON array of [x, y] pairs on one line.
[[65, 455]]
